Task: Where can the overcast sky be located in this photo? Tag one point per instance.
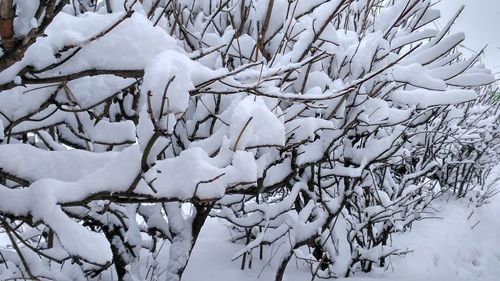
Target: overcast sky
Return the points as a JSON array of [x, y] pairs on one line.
[[481, 23]]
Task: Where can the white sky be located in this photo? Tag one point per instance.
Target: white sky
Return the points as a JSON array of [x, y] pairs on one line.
[[481, 23]]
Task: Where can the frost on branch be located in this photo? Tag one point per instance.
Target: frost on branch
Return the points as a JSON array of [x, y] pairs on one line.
[[317, 125]]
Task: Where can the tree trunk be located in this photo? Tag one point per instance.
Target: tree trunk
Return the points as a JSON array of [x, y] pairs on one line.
[[183, 241], [118, 261], [7, 24], [282, 266]]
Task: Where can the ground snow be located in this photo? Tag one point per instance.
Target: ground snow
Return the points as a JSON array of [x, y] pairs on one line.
[[456, 247], [450, 248]]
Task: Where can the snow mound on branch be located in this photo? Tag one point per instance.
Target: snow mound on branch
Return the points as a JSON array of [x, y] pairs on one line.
[[416, 75], [193, 174], [167, 82], [135, 41], [253, 124], [26, 161], [107, 172], [423, 98]]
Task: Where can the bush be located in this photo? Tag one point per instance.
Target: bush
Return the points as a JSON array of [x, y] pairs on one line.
[[125, 124]]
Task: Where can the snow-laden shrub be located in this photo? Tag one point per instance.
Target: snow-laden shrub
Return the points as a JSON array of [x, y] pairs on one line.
[[318, 125]]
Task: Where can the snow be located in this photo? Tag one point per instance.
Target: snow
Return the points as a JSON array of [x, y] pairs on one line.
[[253, 125], [333, 136], [87, 90], [416, 75], [422, 98], [471, 79], [413, 37], [100, 54], [302, 129], [193, 174], [149, 41], [61, 165], [179, 177], [168, 79], [204, 267], [458, 246], [41, 200], [441, 249]]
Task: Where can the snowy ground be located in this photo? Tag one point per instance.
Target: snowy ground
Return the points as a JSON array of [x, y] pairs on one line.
[[458, 246]]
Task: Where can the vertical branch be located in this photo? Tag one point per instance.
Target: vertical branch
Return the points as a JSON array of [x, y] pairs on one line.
[[108, 7], [8, 230], [265, 27]]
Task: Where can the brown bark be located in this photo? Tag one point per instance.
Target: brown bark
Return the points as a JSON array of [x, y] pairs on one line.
[[7, 24], [17, 53], [265, 26]]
